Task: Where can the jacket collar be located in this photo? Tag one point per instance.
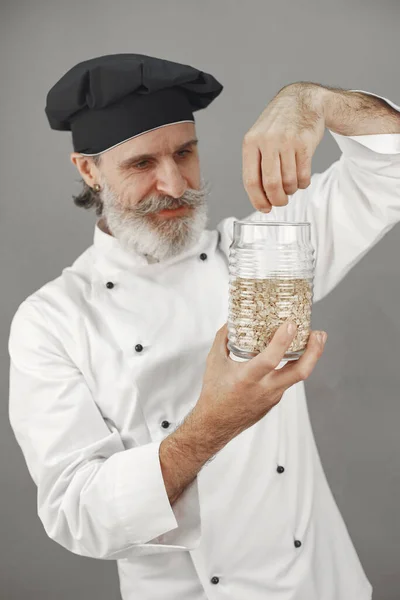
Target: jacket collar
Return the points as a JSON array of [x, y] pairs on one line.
[[111, 257]]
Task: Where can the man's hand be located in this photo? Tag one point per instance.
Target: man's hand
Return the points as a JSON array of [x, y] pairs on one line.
[[234, 397], [278, 149]]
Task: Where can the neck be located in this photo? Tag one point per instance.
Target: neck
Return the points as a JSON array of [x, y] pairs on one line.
[[102, 225]]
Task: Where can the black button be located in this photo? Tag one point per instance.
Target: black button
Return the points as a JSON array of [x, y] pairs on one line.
[[203, 256], [280, 469], [138, 347], [110, 285], [215, 580], [165, 424], [297, 543]]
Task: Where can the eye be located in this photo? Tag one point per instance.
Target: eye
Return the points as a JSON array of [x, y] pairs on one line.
[[183, 153], [142, 164]]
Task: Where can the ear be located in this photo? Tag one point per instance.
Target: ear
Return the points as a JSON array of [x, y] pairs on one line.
[[86, 167]]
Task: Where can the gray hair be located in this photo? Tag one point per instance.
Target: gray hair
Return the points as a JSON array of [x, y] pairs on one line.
[[89, 198]]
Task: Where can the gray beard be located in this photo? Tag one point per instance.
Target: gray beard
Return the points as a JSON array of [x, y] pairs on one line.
[[138, 230]]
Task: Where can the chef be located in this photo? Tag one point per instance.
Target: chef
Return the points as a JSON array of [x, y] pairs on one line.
[[148, 444]]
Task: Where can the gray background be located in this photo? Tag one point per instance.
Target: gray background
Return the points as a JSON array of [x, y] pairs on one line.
[[254, 48]]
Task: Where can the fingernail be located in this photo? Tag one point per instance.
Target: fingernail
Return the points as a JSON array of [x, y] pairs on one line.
[[322, 336], [291, 328]]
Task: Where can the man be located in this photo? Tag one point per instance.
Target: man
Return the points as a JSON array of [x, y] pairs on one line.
[[198, 474]]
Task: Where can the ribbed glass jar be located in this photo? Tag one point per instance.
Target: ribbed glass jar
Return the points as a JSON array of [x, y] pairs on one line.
[[271, 266]]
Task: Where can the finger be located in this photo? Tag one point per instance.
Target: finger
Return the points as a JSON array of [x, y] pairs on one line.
[[302, 368], [272, 178], [221, 340], [303, 165], [267, 360], [252, 176], [289, 171]]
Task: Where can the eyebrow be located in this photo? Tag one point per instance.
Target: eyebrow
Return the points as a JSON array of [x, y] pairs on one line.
[[129, 162]]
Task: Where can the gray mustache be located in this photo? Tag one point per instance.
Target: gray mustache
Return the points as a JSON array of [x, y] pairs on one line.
[[191, 198]]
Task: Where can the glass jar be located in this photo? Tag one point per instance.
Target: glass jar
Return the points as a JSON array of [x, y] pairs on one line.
[[271, 267]]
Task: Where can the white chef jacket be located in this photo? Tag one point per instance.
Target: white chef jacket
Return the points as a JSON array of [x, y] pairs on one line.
[[89, 409]]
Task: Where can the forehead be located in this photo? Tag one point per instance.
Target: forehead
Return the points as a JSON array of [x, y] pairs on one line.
[[163, 140]]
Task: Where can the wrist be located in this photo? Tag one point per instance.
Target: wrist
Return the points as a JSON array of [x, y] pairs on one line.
[[310, 97], [332, 104], [202, 428], [191, 438], [191, 441]]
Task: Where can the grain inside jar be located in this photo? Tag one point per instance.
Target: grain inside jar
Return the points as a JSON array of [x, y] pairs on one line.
[[259, 306]]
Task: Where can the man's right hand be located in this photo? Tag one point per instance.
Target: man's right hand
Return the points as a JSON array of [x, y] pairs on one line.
[[235, 395]]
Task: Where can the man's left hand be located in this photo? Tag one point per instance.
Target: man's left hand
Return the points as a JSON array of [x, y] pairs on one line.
[[278, 149]]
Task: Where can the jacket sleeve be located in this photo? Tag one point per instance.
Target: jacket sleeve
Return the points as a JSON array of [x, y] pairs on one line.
[[95, 497], [350, 206]]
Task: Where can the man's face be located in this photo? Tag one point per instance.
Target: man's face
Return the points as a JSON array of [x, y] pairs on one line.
[[145, 178]]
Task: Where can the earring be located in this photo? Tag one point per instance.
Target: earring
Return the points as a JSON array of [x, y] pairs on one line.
[[97, 187]]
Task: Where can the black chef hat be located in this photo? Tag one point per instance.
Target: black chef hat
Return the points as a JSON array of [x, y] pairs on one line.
[[108, 100]]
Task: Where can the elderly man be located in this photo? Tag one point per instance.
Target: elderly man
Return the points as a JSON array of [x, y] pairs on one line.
[[148, 444]]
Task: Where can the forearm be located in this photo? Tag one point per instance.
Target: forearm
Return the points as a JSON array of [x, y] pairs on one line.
[[185, 451], [345, 112], [355, 113]]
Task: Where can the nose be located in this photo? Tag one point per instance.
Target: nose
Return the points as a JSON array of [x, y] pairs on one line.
[[170, 181]]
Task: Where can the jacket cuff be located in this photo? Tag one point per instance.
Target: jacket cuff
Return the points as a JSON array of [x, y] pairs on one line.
[[143, 504]]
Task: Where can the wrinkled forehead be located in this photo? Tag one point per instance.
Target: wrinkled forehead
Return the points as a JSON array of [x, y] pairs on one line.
[[163, 140]]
